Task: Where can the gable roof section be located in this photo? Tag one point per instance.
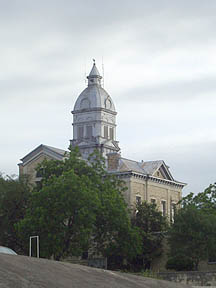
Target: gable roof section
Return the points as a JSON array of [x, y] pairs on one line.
[[147, 168], [129, 165], [153, 166], [55, 153]]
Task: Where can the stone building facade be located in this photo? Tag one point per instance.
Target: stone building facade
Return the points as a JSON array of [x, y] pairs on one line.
[[94, 127]]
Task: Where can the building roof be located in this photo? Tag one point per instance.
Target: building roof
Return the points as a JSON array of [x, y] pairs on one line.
[[145, 168], [57, 150], [148, 167], [53, 152]]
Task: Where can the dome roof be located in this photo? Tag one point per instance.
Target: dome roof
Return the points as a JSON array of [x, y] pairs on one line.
[[94, 96]]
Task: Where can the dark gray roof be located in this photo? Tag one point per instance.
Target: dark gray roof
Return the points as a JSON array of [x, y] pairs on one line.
[[56, 153], [149, 167], [57, 150]]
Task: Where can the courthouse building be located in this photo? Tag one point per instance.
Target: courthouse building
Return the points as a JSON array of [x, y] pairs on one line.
[[94, 127]]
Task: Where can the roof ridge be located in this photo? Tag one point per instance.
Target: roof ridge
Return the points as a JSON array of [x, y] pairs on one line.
[[130, 160], [53, 147], [153, 161]]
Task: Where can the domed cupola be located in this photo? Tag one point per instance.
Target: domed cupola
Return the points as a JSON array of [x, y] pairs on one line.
[[94, 96], [94, 118]]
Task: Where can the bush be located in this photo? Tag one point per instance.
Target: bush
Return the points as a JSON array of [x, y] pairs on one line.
[[180, 263]]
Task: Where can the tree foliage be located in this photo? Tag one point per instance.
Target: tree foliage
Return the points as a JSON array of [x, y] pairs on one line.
[[14, 197], [78, 206], [151, 225], [193, 232], [180, 262], [205, 201]]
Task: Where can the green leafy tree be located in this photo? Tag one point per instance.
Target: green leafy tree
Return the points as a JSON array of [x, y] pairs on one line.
[[78, 206], [206, 200], [14, 197], [113, 233], [151, 225], [62, 213], [193, 233]]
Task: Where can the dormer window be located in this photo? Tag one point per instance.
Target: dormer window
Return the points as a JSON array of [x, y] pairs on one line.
[[85, 103]]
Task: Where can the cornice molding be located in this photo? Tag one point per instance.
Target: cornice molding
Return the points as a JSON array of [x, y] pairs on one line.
[[128, 174], [93, 110]]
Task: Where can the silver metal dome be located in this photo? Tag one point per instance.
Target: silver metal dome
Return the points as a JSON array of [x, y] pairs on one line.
[[94, 96]]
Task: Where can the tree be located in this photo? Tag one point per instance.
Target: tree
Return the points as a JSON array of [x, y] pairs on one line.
[[113, 235], [151, 225], [78, 206], [14, 197], [193, 233], [206, 200]]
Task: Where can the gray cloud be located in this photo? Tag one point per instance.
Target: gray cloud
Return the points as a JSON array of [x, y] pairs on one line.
[[159, 70], [173, 91]]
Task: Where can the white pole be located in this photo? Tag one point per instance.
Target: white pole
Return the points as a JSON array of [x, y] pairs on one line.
[[30, 246], [37, 246]]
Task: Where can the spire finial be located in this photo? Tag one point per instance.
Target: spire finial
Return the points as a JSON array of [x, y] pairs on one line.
[[94, 76]]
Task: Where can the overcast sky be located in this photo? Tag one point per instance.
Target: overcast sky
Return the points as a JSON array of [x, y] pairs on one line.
[[160, 70]]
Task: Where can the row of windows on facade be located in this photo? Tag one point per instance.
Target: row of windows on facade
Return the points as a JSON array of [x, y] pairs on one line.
[[163, 207], [87, 132]]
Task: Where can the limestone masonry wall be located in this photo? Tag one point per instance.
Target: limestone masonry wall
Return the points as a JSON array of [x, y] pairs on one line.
[[194, 278]]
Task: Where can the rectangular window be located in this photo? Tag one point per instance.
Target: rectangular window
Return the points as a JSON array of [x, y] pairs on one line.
[[80, 132], [138, 200], [89, 131], [153, 201], [163, 208], [106, 132], [40, 173], [172, 212], [111, 133]]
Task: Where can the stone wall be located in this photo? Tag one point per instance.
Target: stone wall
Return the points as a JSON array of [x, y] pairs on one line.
[[149, 190], [194, 278], [29, 168]]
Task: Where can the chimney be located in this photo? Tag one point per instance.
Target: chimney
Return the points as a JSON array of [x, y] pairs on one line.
[[113, 161]]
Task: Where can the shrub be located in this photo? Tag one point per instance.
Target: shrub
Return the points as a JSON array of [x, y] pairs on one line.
[[180, 263]]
